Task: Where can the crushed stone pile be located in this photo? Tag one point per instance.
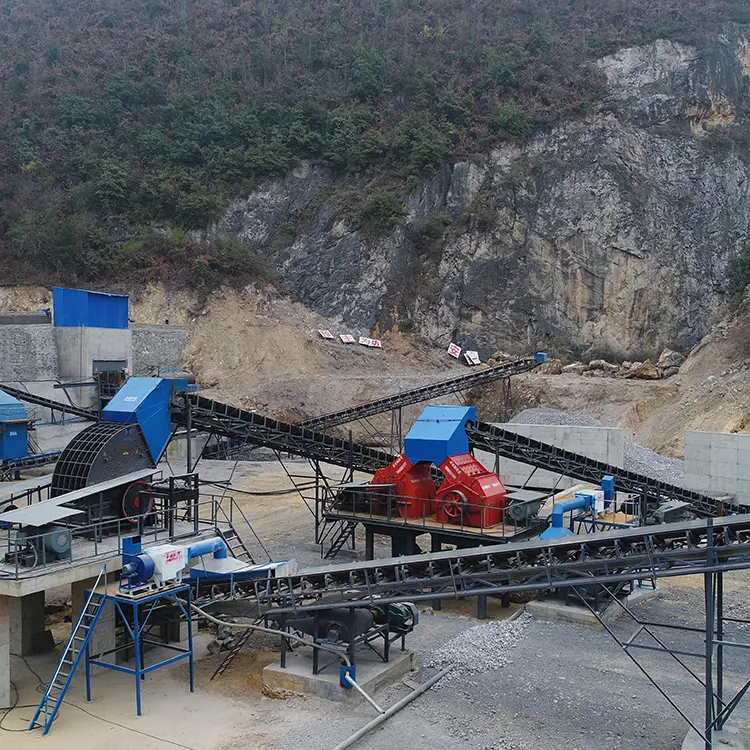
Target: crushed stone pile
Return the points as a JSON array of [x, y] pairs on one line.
[[479, 649], [636, 458]]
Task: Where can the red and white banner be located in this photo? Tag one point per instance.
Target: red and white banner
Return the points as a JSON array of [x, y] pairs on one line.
[[325, 334], [347, 339], [472, 358], [374, 343], [454, 350]]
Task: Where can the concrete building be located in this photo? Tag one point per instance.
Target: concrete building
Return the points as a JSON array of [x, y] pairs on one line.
[[85, 333]]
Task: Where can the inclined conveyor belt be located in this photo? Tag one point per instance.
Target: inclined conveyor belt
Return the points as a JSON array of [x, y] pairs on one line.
[[255, 429], [510, 444], [32, 398], [650, 552], [424, 393]]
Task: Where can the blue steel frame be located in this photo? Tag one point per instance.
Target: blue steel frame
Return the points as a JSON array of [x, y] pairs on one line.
[[140, 622]]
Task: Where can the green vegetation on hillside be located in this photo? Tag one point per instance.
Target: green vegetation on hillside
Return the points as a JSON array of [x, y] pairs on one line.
[[121, 114]]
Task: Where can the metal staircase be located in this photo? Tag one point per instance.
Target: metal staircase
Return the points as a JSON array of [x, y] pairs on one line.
[[239, 644], [235, 544], [71, 656], [343, 532]]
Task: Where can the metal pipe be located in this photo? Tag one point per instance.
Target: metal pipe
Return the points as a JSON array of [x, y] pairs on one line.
[[272, 631], [556, 529], [349, 679], [393, 710], [215, 545]]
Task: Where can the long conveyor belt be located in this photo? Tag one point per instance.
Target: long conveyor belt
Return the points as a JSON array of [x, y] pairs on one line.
[[646, 553], [510, 444], [32, 398], [425, 393], [255, 429]]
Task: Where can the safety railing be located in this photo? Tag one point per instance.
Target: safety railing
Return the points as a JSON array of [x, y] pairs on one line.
[[25, 553], [380, 504]]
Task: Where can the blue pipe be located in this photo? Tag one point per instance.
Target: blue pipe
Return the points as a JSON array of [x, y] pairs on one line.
[[557, 530], [215, 545]]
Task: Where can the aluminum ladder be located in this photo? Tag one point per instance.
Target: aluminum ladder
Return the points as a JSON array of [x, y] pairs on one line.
[[70, 658]]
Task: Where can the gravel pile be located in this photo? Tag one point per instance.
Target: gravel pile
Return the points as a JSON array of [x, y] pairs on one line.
[[636, 458], [479, 649]]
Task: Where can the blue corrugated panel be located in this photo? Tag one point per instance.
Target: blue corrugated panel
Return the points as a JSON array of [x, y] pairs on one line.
[[11, 408], [78, 307], [13, 440], [439, 432], [144, 401]]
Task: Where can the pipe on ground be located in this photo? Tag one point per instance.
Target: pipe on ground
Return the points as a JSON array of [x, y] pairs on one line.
[[393, 709]]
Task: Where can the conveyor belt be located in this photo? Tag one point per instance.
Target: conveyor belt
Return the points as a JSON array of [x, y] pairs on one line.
[[521, 448], [424, 393], [32, 398], [255, 429], [645, 553]]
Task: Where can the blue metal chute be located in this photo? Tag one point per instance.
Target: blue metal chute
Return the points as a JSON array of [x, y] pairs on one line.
[[439, 432], [144, 401]]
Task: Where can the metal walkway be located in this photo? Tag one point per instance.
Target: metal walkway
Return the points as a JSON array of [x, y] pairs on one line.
[[424, 393], [650, 552], [510, 444]]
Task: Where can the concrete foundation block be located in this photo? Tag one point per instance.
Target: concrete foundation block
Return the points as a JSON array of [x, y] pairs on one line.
[[372, 674], [26, 622], [728, 739], [5, 689], [557, 610]]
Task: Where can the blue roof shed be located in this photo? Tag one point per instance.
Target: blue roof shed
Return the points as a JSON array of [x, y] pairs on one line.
[[79, 307]]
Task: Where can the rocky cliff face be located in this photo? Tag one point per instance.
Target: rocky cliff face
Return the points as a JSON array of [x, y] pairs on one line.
[[609, 234]]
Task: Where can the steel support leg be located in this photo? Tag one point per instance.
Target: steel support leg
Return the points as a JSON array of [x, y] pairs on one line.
[[369, 543], [435, 546], [708, 585], [720, 649], [482, 607]]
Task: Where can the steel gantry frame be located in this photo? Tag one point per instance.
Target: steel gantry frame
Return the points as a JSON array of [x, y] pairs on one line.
[[717, 709], [709, 547]]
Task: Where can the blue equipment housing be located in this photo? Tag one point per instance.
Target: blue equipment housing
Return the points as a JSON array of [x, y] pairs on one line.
[[14, 441], [439, 432], [144, 401]]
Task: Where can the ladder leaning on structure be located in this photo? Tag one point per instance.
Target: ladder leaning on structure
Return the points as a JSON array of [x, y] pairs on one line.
[[70, 658]]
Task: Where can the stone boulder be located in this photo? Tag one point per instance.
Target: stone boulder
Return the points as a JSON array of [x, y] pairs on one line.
[[669, 358], [603, 366], [577, 368], [550, 367], [644, 371], [669, 372]]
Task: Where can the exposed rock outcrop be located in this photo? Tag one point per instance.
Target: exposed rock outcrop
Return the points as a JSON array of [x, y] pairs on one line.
[[609, 234]]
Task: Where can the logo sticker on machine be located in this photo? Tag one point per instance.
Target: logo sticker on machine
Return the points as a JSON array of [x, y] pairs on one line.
[[173, 556]]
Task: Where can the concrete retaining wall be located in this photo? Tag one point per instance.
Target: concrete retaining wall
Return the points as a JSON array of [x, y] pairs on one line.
[[601, 443], [28, 352], [157, 346], [718, 463]]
